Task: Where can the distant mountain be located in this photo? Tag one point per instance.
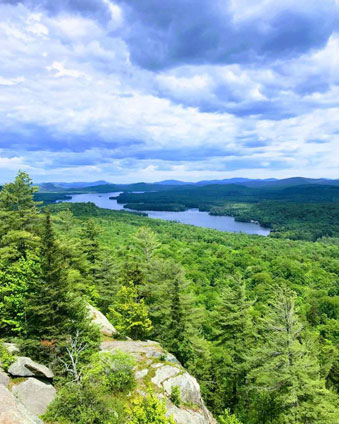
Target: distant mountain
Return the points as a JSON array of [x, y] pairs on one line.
[[270, 182], [242, 181], [49, 186], [83, 184], [290, 182], [173, 183], [105, 187]]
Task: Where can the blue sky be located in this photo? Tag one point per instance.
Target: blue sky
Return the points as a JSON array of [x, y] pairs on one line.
[[132, 90]]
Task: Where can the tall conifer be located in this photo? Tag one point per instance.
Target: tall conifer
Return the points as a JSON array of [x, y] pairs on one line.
[[52, 308], [285, 369], [234, 335]]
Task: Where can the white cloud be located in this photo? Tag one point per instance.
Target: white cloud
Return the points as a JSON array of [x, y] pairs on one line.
[[71, 77], [11, 81], [61, 71]]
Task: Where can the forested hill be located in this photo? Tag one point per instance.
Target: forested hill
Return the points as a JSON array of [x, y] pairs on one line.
[[255, 319], [295, 208], [219, 194], [308, 211]]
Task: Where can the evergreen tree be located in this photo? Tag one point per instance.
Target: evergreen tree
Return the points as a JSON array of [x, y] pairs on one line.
[[90, 244], [17, 197], [285, 369], [18, 218], [177, 332], [16, 279], [234, 335], [52, 308], [147, 243], [19, 241], [107, 282], [132, 273], [102, 274], [176, 321]]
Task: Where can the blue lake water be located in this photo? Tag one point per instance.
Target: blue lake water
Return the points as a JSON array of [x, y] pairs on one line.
[[191, 216]]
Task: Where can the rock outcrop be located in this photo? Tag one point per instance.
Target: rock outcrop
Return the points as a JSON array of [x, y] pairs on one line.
[[12, 411], [11, 348], [25, 367], [105, 327], [165, 372], [34, 395], [4, 379], [23, 399]]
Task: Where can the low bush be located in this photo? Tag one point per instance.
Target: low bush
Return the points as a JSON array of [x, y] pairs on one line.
[[149, 410], [84, 404], [6, 358], [113, 371], [175, 395]]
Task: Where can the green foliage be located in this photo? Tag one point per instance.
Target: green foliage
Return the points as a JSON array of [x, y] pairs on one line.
[[129, 314], [306, 212], [297, 221], [254, 319], [94, 398], [176, 395], [228, 418], [226, 283], [149, 410], [18, 196], [234, 337], [285, 368], [6, 358], [84, 404], [90, 242], [51, 308], [113, 371], [19, 251], [146, 243], [18, 218], [16, 278]]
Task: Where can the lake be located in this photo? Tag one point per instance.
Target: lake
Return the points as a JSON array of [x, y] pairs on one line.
[[191, 216]]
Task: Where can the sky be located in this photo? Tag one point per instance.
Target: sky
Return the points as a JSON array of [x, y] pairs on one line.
[[147, 90]]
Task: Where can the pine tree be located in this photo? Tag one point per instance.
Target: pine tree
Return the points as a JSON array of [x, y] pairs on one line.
[[177, 332], [285, 369], [52, 309], [101, 275], [19, 241], [176, 321], [91, 246], [17, 197], [131, 273], [18, 218], [234, 335], [147, 243], [106, 282]]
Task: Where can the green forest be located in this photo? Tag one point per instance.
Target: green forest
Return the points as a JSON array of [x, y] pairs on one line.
[[254, 319], [299, 212]]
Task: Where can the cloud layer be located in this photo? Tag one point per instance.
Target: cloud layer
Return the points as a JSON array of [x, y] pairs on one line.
[[137, 90]]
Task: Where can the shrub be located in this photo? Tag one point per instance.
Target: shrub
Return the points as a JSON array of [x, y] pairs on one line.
[[84, 404], [130, 315], [175, 395], [6, 358], [113, 371], [227, 418], [149, 410]]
